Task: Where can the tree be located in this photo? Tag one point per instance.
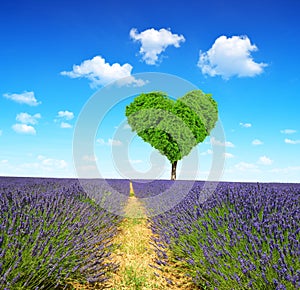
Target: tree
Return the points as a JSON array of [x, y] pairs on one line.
[[173, 127]]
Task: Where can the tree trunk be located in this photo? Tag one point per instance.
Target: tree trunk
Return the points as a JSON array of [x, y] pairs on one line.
[[173, 172]]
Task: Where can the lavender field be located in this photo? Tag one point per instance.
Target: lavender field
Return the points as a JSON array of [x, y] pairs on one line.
[[240, 236], [52, 233]]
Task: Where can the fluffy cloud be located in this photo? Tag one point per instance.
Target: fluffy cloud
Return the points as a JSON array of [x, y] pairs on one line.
[[288, 131], [286, 170], [66, 115], [60, 164], [99, 72], [1, 132], [26, 118], [36, 166], [216, 142], [65, 125], [246, 125], [228, 155], [210, 152], [110, 142], [154, 42], [52, 163], [264, 160], [207, 152], [27, 98], [245, 166], [289, 141], [230, 57], [24, 129], [113, 142], [256, 142]]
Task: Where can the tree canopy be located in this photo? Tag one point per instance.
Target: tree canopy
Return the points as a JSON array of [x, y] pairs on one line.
[[173, 127]]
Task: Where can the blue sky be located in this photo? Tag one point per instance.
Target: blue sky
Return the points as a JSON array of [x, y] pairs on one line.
[[55, 56]]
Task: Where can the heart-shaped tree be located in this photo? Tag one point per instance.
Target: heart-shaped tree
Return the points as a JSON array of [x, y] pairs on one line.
[[173, 127]]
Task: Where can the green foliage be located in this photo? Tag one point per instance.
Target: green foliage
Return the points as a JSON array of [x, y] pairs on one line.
[[205, 107], [173, 127]]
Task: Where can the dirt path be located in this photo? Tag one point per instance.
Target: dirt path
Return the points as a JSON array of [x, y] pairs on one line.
[[136, 254]]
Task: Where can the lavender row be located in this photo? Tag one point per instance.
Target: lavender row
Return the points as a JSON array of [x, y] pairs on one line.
[[52, 232], [109, 194], [147, 188], [234, 236], [159, 196]]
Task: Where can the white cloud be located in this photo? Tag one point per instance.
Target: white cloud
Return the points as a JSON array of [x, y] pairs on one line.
[[207, 152], [216, 142], [230, 57], [1, 132], [26, 118], [228, 155], [37, 166], [66, 115], [65, 125], [99, 72], [41, 157], [60, 164], [24, 129], [228, 144], [244, 166], [45, 163], [286, 170], [113, 142], [289, 141], [110, 142], [27, 98], [288, 131], [210, 152], [4, 161], [246, 125], [256, 142], [131, 81], [154, 42], [264, 160]]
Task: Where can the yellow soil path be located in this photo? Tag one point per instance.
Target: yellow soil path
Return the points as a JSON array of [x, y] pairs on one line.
[[136, 254]]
